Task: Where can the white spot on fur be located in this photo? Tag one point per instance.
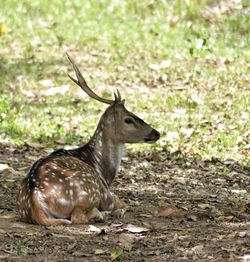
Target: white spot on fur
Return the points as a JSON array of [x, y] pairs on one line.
[[111, 206], [83, 193], [63, 201]]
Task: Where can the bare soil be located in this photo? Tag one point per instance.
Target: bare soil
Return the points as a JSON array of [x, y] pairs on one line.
[[180, 209]]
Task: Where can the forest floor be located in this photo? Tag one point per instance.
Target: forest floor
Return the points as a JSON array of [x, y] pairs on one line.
[[180, 209], [183, 67]]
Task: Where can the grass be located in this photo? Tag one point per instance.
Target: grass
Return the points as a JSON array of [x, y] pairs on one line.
[[190, 72]]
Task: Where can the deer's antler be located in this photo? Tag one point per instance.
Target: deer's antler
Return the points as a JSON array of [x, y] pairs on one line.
[[82, 83]]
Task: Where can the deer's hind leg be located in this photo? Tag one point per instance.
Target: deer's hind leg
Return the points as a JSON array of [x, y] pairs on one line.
[[40, 214]]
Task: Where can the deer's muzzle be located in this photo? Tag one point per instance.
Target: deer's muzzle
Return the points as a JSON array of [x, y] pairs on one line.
[[152, 137]]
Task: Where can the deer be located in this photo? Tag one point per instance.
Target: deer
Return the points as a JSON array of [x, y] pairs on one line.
[[73, 186]]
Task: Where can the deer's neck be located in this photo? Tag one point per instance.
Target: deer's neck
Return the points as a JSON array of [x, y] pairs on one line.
[[103, 155]]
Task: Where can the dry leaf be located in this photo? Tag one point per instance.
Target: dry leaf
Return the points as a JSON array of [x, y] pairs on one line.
[[197, 249], [99, 251], [135, 229], [245, 258], [193, 217], [3, 166], [225, 218], [116, 253], [126, 241], [116, 225], [242, 234], [205, 206], [92, 228], [169, 212], [231, 235], [6, 170], [63, 236]]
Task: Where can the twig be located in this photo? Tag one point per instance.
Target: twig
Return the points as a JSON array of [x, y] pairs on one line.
[[7, 251]]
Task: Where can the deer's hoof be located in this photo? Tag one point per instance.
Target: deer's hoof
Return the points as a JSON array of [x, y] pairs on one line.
[[118, 213]]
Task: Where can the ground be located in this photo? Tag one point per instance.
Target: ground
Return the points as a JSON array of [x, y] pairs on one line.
[[180, 209], [183, 67]]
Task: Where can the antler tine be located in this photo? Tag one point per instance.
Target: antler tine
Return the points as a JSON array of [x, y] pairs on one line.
[[82, 83], [119, 95]]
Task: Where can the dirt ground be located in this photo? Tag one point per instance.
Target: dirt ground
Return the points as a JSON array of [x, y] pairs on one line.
[[180, 209]]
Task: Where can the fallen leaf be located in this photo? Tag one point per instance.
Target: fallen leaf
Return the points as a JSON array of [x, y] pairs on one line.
[[225, 218], [193, 217], [117, 252], [204, 206], [116, 225], [144, 215], [126, 241], [92, 228], [197, 249], [231, 235], [233, 199], [3, 166], [169, 212], [242, 234], [99, 251], [6, 170], [245, 258], [81, 254], [63, 236], [135, 229]]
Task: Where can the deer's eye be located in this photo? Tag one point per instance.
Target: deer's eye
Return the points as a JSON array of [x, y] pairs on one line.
[[128, 121]]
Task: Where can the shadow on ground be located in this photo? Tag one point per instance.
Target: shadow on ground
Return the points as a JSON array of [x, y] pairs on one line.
[[211, 197]]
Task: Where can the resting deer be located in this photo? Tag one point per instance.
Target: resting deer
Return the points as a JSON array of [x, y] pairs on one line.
[[72, 186]]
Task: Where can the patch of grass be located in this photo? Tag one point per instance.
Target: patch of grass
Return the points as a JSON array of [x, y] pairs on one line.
[[190, 73], [20, 249]]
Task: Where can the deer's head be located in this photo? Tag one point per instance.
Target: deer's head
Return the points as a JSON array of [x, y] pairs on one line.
[[121, 125]]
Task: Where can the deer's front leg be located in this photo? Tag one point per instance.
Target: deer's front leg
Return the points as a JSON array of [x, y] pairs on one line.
[[112, 206], [80, 216], [121, 208], [119, 204]]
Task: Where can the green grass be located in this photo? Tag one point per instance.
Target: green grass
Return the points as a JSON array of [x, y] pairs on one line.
[[190, 73]]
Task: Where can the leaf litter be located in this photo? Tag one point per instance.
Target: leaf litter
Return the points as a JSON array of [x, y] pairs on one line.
[[179, 207]]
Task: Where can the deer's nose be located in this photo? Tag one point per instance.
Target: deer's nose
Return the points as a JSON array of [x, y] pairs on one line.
[[153, 136]]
